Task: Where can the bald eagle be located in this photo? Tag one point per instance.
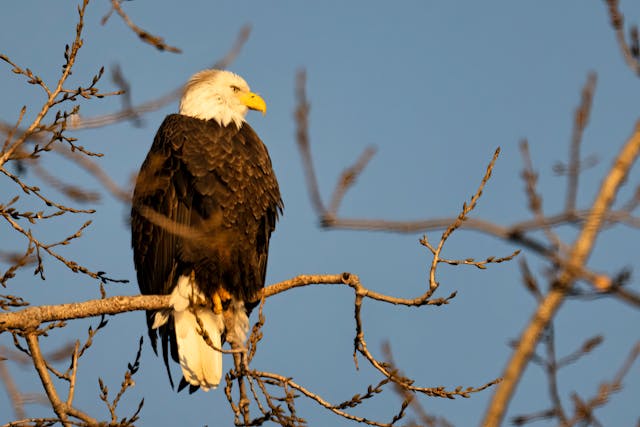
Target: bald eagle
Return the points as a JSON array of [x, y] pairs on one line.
[[205, 204]]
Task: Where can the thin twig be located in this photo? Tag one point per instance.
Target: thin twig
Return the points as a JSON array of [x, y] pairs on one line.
[[38, 361], [584, 409], [15, 397], [348, 179], [579, 124], [552, 375], [145, 36], [70, 55], [617, 22], [530, 178], [301, 116]]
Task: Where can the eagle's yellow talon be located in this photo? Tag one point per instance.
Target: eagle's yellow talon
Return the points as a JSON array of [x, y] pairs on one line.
[[217, 303], [219, 297]]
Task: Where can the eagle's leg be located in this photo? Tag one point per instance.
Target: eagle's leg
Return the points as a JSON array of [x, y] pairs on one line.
[[220, 298]]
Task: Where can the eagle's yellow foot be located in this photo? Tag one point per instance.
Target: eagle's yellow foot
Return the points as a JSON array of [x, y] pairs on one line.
[[220, 297]]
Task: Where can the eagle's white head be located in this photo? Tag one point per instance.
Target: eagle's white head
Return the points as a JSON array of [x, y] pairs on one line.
[[219, 95]]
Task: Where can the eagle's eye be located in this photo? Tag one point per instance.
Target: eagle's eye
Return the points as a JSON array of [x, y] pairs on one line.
[[235, 89]]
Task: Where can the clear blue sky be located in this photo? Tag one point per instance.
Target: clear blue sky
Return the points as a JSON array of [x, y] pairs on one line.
[[436, 86]]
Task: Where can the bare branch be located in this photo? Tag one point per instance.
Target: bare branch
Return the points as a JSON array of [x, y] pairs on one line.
[[348, 179], [60, 408], [70, 56], [15, 397], [155, 41], [579, 254], [584, 409], [32, 317], [535, 200], [630, 53], [301, 116]]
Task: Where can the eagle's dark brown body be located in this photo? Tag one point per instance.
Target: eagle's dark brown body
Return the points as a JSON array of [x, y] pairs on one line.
[[205, 205]]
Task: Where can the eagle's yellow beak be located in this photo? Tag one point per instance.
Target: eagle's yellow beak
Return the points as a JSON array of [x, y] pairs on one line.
[[253, 101]]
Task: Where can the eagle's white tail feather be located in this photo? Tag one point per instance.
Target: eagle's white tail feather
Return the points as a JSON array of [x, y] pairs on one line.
[[201, 364]]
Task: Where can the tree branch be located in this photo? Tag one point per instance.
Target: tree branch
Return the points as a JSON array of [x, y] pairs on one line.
[[550, 304]]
